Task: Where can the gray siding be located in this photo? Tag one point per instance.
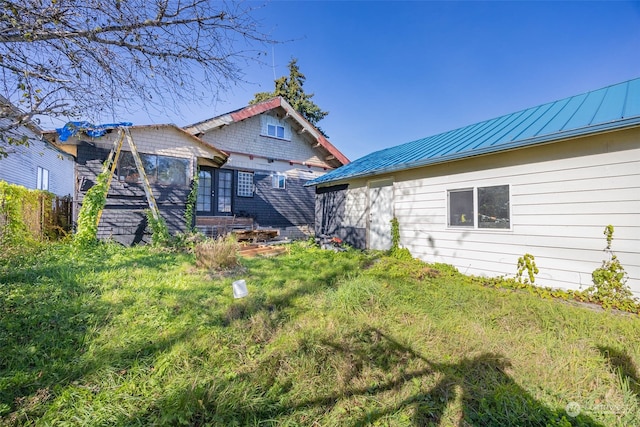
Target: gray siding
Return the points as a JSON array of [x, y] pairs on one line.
[[276, 208], [246, 137], [21, 166], [290, 210], [123, 218]]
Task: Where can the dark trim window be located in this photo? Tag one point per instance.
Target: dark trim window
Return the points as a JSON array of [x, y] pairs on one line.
[[161, 170], [205, 190], [490, 205], [245, 184], [225, 178]]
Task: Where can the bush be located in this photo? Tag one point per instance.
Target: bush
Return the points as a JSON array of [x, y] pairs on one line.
[[160, 233], [217, 254], [28, 216], [89, 215], [396, 251], [609, 281]]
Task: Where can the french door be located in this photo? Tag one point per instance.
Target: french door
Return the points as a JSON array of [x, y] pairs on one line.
[[215, 188]]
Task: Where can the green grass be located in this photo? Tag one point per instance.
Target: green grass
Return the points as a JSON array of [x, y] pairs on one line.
[[136, 336]]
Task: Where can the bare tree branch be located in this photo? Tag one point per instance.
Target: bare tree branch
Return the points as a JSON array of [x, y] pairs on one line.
[[95, 58]]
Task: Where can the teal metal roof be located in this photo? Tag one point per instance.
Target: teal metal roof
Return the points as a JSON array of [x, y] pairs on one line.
[[609, 108]]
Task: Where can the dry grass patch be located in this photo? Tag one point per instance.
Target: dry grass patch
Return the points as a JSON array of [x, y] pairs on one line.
[[220, 253]]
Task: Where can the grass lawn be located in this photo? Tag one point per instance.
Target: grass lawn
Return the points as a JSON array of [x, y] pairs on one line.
[[134, 336]]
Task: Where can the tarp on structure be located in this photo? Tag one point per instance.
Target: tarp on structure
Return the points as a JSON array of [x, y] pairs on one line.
[[94, 131]]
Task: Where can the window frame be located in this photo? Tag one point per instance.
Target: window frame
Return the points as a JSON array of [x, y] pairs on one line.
[[276, 179], [244, 189], [274, 127], [476, 222], [42, 179], [472, 221], [153, 175]]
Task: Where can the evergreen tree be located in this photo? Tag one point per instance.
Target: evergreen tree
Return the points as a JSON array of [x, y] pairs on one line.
[[290, 88]]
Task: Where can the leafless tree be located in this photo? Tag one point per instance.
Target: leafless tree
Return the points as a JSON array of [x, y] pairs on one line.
[[90, 58]]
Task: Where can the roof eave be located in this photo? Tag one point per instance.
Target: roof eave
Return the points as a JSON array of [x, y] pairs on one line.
[[514, 145]]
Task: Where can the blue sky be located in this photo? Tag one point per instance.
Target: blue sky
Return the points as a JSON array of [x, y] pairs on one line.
[[392, 72]]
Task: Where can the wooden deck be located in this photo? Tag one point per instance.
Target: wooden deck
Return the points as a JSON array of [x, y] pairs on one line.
[[255, 250], [259, 235]]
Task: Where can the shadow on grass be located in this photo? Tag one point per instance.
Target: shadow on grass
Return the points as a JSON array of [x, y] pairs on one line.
[[48, 311], [488, 396], [478, 387], [622, 365]]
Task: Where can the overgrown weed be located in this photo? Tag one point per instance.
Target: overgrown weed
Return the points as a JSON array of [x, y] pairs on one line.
[[137, 336], [217, 254]]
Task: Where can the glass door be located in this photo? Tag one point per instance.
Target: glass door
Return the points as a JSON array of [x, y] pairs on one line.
[[205, 192], [223, 194], [215, 188]]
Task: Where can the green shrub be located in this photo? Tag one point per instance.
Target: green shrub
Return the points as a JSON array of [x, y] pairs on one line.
[[92, 204], [609, 281], [25, 216], [527, 263], [160, 233], [396, 251], [217, 254]]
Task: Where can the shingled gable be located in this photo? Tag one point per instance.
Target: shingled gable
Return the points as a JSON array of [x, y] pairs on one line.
[[257, 109]]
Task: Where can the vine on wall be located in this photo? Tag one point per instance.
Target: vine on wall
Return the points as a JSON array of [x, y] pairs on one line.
[[93, 202], [189, 213], [396, 251], [527, 264], [160, 233]]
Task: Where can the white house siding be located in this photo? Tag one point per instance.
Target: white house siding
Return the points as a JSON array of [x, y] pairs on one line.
[[21, 166], [562, 197]]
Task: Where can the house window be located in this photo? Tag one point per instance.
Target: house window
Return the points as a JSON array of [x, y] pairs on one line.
[[279, 181], [461, 208], [493, 207], [245, 184], [161, 170], [274, 127], [275, 131], [490, 205], [42, 180]]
